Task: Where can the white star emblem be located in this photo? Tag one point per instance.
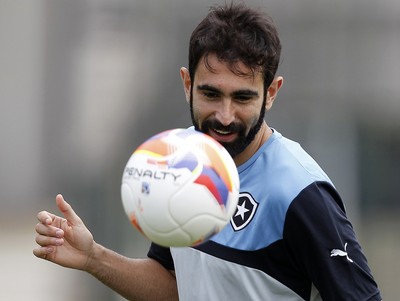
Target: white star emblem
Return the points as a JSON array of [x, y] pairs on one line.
[[241, 210], [245, 211]]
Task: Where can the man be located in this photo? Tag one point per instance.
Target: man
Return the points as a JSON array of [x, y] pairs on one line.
[[291, 241]]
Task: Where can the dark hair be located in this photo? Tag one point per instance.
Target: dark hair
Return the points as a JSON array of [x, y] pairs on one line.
[[236, 33]]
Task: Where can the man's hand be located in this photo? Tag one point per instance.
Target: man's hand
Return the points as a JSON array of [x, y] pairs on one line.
[[63, 240]]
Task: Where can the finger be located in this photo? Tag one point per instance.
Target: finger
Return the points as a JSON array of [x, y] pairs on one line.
[[45, 217], [42, 252], [67, 210], [47, 241], [47, 230]]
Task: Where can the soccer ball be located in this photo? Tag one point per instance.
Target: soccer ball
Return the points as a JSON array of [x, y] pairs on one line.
[[180, 187]]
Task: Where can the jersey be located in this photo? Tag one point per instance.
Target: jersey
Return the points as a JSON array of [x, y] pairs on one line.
[[289, 238]]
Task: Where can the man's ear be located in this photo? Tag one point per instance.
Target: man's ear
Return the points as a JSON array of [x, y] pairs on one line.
[[186, 81], [272, 91]]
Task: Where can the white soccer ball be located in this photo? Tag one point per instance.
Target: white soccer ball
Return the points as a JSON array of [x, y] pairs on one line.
[[180, 187]]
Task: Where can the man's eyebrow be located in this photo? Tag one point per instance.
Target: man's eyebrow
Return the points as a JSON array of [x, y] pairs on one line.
[[241, 92], [245, 92], [208, 88]]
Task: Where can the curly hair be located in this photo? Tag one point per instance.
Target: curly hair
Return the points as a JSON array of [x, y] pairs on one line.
[[236, 33]]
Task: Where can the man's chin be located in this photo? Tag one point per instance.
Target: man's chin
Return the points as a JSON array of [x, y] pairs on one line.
[[234, 149]]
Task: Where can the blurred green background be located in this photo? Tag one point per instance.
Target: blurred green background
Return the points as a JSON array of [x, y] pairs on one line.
[[82, 83]]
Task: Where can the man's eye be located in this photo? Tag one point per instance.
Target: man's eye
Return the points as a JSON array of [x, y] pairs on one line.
[[243, 98], [210, 95]]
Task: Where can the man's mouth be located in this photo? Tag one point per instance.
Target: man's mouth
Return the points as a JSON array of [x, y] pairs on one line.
[[223, 136], [222, 132]]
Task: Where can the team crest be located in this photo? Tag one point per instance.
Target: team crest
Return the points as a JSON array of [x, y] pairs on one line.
[[245, 210]]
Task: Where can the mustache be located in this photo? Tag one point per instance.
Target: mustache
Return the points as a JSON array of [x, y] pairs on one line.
[[215, 124]]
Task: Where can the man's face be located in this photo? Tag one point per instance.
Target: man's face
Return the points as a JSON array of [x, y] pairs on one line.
[[228, 107]]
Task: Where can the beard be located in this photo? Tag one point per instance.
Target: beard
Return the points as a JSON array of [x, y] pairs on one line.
[[243, 140]]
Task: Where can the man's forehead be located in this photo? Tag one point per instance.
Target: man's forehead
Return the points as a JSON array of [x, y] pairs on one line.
[[215, 64], [211, 68]]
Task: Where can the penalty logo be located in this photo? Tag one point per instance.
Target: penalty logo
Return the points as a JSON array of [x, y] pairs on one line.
[[245, 210]]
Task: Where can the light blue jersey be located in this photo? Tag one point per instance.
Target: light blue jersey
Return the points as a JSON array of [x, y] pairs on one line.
[[280, 242], [271, 179]]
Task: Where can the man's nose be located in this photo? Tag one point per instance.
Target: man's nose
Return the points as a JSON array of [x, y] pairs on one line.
[[225, 112]]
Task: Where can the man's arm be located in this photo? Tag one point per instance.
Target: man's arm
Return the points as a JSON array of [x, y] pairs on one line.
[[135, 279], [67, 242], [325, 248]]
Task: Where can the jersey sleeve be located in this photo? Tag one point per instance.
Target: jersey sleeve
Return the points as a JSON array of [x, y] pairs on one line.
[[323, 245], [162, 255]]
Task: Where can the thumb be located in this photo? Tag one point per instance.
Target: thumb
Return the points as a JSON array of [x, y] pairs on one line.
[[67, 210]]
